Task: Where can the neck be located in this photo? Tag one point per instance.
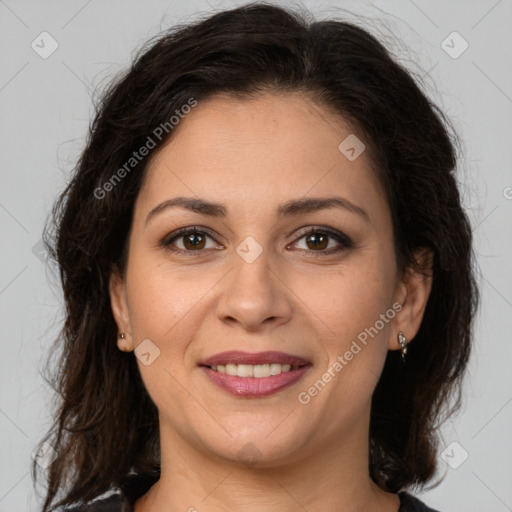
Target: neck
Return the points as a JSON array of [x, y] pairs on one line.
[[331, 476]]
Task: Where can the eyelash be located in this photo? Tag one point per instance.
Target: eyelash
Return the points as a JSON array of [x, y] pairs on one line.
[[341, 238]]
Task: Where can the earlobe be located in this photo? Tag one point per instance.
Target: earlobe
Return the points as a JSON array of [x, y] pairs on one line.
[[120, 310], [412, 293]]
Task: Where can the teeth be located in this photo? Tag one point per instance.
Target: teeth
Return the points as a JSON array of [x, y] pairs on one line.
[[258, 370]]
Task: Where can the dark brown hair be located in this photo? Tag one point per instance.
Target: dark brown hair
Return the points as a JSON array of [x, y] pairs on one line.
[[106, 426]]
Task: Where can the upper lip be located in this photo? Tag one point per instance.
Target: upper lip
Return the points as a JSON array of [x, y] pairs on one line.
[[238, 357]]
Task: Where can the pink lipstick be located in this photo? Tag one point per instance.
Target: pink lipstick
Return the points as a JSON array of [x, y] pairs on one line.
[[254, 375]]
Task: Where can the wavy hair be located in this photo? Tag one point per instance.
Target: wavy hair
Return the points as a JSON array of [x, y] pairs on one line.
[[106, 426]]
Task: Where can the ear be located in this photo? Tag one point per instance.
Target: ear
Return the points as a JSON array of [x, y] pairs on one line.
[[118, 302], [412, 293]]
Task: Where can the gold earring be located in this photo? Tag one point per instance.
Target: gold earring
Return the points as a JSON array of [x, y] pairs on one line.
[[402, 340]]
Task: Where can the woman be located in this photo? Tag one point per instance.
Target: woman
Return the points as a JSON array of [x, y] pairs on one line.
[[268, 278]]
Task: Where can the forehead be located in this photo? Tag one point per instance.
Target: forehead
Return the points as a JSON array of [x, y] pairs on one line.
[[268, 148]]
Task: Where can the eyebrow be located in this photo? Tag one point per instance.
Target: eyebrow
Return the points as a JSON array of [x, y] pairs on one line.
[[288, 209]]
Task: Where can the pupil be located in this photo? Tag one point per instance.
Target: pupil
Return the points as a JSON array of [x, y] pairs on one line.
[[192, 239], [318, 240]]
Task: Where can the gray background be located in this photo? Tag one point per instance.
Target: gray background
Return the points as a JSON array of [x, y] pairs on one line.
[[45, 109]]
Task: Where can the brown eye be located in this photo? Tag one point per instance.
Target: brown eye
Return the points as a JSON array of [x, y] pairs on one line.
[[323, 241], [189, 240], [193, 241], [317, 241]]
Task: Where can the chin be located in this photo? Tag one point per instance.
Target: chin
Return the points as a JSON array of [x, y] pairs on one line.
[[260, 447]]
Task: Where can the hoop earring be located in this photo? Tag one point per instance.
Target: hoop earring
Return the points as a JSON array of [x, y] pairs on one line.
[[402, 340]]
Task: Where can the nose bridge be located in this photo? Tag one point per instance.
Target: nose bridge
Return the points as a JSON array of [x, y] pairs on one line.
[[253, 294]]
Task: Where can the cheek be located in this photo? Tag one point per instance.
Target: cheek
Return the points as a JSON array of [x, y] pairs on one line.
[[164, 299], [165, 306], [352, 298], [353, 311]]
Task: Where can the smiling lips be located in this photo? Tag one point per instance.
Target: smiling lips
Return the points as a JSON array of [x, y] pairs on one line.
[[254, 375]]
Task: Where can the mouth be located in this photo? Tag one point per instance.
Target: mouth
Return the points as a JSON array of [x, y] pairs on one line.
[[258, 365], [257, 371], [254, 375]]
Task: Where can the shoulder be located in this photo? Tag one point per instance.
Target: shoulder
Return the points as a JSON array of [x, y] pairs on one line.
[[119, 500], [113, 503], [409, 503], [123, 500]]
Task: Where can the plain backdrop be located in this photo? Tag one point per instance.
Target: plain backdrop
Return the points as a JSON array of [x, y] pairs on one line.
[[45, 103]]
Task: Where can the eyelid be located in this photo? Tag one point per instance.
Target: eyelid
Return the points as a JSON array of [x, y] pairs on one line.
[[323, 229], [166, 241], [339, 236]]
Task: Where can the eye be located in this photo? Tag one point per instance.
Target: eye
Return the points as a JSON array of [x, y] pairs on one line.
[[318, 239], [188, 240]]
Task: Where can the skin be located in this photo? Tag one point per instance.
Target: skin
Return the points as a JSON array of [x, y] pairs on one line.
[[253, 155]]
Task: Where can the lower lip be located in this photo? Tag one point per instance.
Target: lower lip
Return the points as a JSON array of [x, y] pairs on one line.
[[252, 387]]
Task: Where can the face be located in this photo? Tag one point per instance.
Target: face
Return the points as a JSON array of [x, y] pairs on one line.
[[267, 269]]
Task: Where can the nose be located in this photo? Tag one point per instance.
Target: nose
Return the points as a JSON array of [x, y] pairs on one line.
[[254, 296]]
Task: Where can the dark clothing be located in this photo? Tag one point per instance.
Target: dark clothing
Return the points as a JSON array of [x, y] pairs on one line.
[[137, 486]]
